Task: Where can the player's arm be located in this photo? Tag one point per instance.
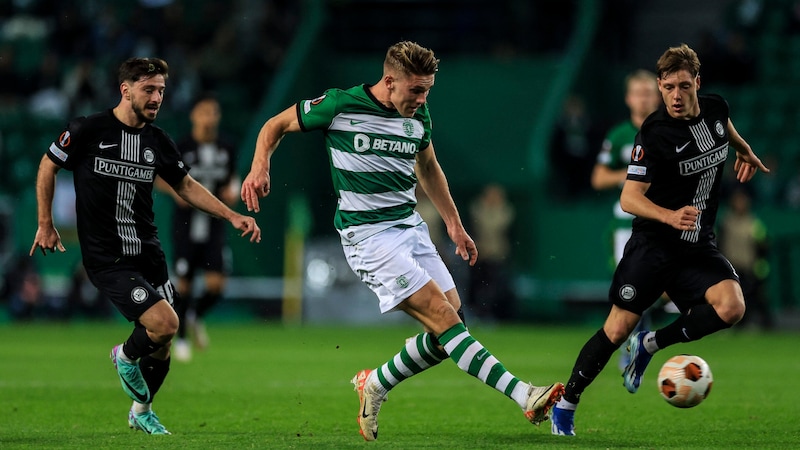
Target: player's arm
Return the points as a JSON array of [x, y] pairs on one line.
[[257, 183], [747, 163], [47, 237], [603, 177], [199, 197], [163, 186], [434, 182], [633, 201]]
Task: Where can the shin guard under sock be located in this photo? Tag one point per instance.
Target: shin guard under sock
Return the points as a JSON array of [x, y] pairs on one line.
[[139, 344], [591, 360], [700, 321], [154, 372]]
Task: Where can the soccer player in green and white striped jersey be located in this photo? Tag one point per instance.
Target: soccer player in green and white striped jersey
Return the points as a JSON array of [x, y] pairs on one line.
[[378, 139]]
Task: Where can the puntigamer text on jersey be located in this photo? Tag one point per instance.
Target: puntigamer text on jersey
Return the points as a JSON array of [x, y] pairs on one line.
[[123, 170], [704, 161]]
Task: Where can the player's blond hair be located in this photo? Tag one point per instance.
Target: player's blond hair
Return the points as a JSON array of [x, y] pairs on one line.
[[678, 58], [640, 75], [408, 57]]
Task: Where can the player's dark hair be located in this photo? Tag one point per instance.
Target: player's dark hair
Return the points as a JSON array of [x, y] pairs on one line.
[[411, 58], [203, 97], [134, 69], [678, 58]]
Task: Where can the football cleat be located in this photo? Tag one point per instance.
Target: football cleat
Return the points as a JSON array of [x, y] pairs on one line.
[[640, 358], [130, 376], [562, 422], [540, 400], [147, 422], [369, 405]]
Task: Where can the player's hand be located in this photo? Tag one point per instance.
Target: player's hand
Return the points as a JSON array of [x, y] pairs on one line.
[[47, 239], [684, 219], [747, 165], [465, 246], [255, 186], [247, 225]]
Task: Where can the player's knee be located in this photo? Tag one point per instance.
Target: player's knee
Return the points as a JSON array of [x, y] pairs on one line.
[[731, 312], [616, 333], [443, 313], [164, 328]]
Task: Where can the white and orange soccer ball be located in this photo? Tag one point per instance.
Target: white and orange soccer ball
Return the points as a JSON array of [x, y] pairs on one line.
[[685, 380]]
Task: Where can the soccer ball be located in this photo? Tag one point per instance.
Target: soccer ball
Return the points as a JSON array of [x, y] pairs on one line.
[[685, 380]]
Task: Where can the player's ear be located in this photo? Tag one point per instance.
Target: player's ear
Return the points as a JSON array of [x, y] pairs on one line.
[[124, 90]]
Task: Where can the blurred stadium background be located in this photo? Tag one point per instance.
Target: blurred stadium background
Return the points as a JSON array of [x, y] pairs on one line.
[[508, 68]]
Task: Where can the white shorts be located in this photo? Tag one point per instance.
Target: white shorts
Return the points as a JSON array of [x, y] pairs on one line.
[[398, 262]]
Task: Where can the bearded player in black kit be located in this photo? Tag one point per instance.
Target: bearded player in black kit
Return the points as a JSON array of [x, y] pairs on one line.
[[115, 156], [673, 189]]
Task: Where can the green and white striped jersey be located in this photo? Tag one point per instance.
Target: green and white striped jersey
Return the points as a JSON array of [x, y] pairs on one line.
[[372, 151]]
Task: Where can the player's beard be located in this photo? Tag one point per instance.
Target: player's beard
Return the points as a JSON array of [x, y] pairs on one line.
[[142, 115]]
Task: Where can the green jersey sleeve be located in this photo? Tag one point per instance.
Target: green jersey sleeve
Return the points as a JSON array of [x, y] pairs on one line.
[[318, 113]]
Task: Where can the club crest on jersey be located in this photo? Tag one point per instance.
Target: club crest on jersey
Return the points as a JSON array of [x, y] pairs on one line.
[[408, 127], [149, 155], [719, 129], [402, 281], [139, 295], [64, 139], [627, 292]]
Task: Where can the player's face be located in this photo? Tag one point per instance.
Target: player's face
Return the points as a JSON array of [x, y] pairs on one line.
[[146, 96], [679, 92], [642, 97], [206, 115], [409, 92]]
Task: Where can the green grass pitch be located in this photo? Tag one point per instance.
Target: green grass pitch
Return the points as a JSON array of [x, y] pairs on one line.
[[263, 385]]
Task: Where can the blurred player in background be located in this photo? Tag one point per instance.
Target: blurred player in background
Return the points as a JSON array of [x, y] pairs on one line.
[[673, 189], [378, 139], [115, 156], [611, 168], [199, 240]]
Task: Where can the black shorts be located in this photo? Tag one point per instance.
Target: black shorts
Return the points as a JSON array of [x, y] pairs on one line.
[[134, 284], [191, 256], [650, 268]]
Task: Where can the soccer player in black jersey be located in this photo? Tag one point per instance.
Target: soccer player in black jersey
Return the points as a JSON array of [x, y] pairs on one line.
[[115, 156], [198, 240], [673, 189]]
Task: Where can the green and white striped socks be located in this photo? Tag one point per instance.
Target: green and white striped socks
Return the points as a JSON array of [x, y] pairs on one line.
[[473, 358], [421, 353]]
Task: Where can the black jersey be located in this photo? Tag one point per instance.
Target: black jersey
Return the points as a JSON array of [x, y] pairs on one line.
[[114, 167], [212, 165], [683, 161]]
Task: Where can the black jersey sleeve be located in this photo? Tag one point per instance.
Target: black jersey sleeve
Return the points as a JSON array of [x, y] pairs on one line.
[[171, 167], [67, 149], [642, 160]]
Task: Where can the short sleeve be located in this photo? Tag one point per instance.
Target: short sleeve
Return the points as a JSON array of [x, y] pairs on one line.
[[66, 150], [171, 168], [640, 166], [318, 113]]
